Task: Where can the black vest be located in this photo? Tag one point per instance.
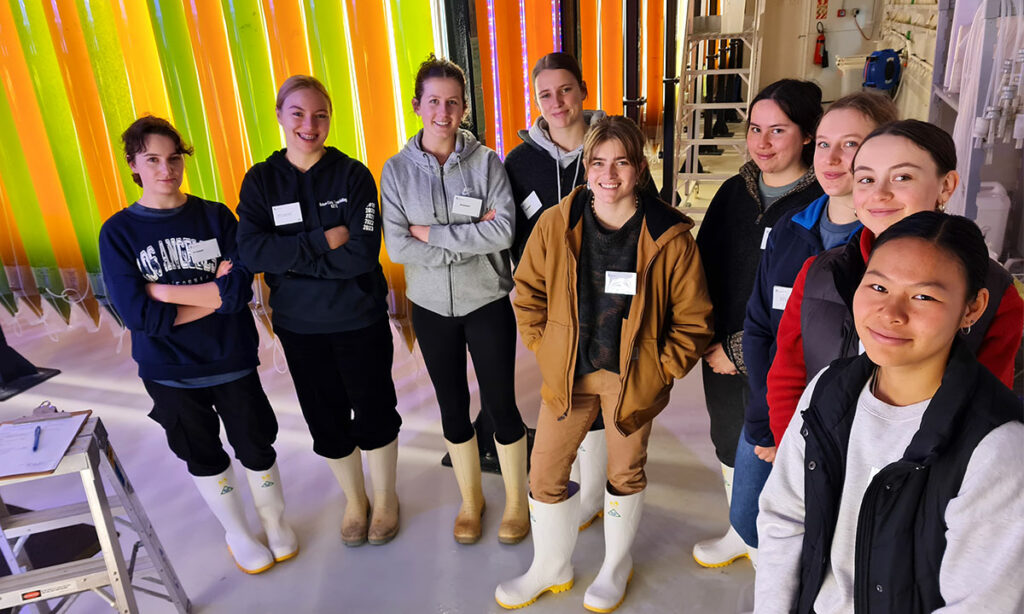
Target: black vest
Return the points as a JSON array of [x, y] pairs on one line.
[[901, 527], [826, 313]]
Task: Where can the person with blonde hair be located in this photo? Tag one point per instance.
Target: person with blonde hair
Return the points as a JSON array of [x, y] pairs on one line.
[[308, 219]]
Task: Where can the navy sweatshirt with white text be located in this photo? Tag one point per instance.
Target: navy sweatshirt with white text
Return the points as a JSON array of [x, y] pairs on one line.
[[139, 249]]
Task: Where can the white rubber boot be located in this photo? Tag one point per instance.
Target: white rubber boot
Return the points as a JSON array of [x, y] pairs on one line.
[[269, 499], [593, 458], [554, 531], [621, 518], [383, 464], [515, 522], [721, 551], [348, 470], [225, 502]]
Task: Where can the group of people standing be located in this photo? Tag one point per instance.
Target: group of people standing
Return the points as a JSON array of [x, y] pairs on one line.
[[613, 295]]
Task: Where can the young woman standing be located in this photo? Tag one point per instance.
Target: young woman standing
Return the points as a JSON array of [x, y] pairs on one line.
[[171, 264], [778, 179], [898, 488], [827, 222], [901, 168], [610, 295], [542, 170], [448, 217], [308, 219]]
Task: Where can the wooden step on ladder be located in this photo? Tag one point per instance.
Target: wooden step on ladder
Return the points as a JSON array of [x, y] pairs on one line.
[[91, 456]]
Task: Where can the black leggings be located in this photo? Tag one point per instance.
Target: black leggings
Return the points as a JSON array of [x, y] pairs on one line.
[[191, 419], [490, 334]]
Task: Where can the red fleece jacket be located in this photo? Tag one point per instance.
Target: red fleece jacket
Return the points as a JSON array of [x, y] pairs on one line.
[[787, 376]]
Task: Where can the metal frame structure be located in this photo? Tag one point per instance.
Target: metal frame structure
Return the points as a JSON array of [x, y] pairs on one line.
[[90, 455]]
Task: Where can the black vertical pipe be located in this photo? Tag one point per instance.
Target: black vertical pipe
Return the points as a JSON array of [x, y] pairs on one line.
[[571, 43], [631, 101], [463, 47], [668, 149]]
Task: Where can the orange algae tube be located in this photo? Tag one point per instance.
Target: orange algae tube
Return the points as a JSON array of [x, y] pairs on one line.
[[611, 57], [371, 63], [216, 79], [286, 34]]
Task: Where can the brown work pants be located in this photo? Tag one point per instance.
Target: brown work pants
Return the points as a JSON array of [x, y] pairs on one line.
[[554, 447]]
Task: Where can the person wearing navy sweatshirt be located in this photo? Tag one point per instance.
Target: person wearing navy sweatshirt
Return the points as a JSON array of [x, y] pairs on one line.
[[827, 222], [308, 219], [171, 266]]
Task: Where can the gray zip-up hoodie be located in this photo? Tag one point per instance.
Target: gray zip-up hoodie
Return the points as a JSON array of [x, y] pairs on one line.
[[465, 265]]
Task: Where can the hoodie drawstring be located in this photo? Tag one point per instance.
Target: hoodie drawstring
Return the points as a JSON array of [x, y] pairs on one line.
[[462, 174], [558, 172]]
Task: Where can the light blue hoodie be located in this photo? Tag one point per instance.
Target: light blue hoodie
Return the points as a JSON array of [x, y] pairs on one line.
[[465, 265]]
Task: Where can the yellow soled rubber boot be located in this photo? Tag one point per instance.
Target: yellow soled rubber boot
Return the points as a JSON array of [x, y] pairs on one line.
[[554, 529], [466, 464], [721, 551], [348, 470], [621, 519], [269, 499], [515, 522], [222, 496], [593, 462], [383, 464]]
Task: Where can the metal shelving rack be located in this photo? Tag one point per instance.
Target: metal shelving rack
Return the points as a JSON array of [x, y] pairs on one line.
[[700, 32]]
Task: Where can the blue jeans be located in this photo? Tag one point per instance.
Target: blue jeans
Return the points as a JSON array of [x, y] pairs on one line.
[[747, 481]]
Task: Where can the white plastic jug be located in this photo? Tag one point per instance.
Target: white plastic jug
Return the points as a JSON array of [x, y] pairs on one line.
[[993, 213]]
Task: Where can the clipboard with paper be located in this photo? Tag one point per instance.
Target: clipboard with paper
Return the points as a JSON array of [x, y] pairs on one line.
[[57, 431]]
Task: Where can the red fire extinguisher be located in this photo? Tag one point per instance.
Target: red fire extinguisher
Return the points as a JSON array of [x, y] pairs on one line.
[[820, 53]]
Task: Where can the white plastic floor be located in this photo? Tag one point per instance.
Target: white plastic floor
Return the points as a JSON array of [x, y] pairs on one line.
[[423, 569]]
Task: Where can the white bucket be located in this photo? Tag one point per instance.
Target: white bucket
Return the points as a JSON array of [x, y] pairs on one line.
[[733, 13], [993, 213], [851, 68]]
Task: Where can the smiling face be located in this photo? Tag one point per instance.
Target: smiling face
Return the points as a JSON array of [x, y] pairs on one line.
[[610, 174], [160, 166], [774, 141], [440, 106], [560, 97], [911, 302], [894, 178], [305, 116], [838, 137]]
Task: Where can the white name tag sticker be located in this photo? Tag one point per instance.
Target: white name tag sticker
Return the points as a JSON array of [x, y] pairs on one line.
[[201, 251], [764, 239], [531, 205], [620, 282], [780, 296], [289, 213], [467, 205]]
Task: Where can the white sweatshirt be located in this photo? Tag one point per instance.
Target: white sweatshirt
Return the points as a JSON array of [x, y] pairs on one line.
[[982, 569]]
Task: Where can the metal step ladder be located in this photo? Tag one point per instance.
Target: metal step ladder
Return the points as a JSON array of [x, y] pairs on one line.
[[90, 455], [710, 55]]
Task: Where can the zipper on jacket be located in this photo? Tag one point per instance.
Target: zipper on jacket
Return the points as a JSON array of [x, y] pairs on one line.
[[447, 220]]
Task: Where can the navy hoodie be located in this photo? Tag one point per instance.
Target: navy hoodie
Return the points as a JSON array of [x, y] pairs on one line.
[[314, 289], [795, 238], [139, 249]]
